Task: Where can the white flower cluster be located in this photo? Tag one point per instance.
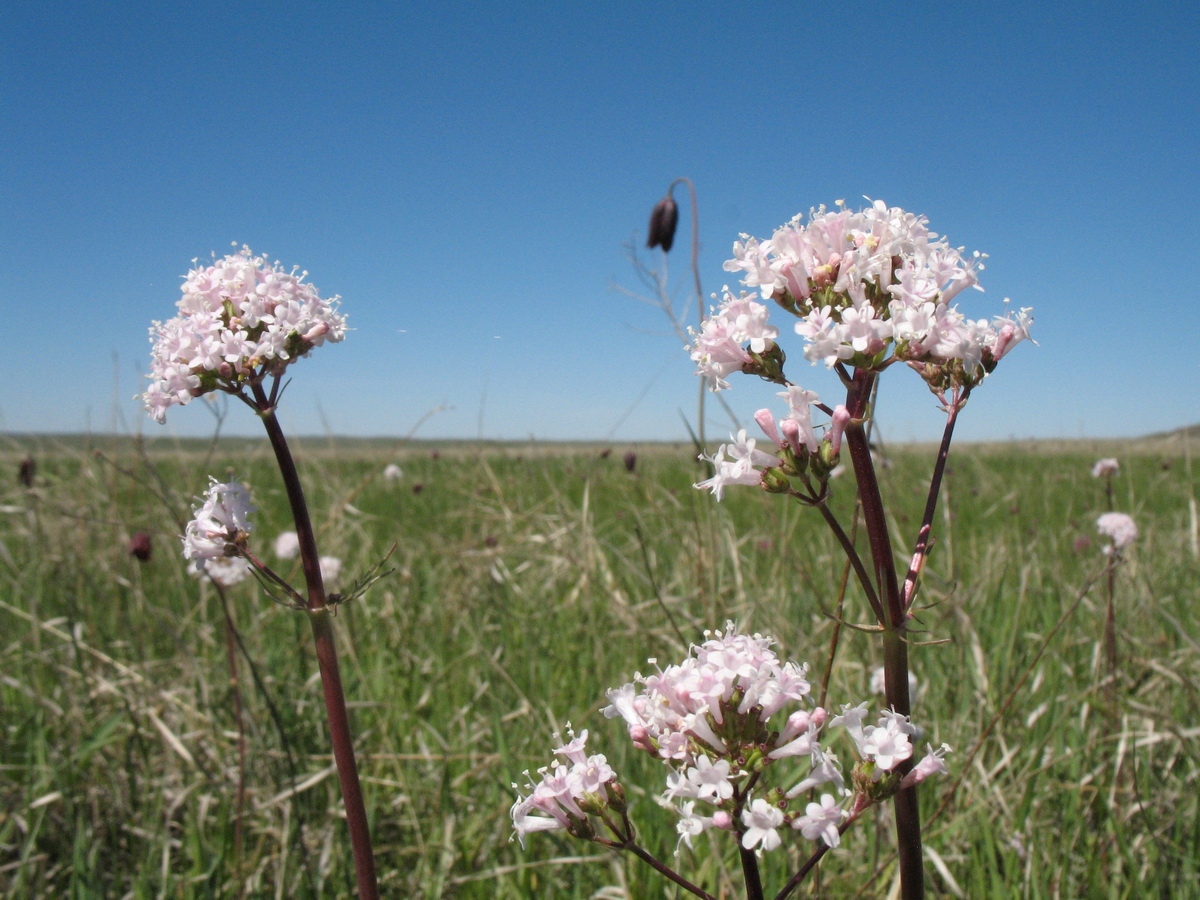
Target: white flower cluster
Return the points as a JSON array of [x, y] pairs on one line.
[[239, 319], [859, 282], [718, 720], [744, 465], [557, 795], [218, 524], [1119, 528], [221, 517]]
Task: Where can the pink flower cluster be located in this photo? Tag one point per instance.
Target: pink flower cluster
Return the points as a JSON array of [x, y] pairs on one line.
[[718, 350], [239, 320], [718, 721], [563, 787], [1119, 528], [859, 282]]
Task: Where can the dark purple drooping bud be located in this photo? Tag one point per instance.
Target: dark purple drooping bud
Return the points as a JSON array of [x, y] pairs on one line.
[[630, 461], [140, 547], [27, 471], [663, 220]]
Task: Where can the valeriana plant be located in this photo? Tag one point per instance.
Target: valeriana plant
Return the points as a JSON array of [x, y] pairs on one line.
[[241, 323], [741, 742], [864, 291]]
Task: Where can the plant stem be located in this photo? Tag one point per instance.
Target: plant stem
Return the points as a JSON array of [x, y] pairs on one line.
[[895, 650], [935, 486], [331, 680], [699, 293], [235, 690], [750, 873], [666, 871]]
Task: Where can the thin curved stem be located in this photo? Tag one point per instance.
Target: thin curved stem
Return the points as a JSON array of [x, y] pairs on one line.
[[908, 594], [699, 291], [852, 557]]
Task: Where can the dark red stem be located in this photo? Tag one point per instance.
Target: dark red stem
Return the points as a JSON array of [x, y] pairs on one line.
[[895, 650], [331, 679]]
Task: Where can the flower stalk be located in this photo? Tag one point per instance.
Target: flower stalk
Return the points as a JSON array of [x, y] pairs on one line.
[[327, 659]]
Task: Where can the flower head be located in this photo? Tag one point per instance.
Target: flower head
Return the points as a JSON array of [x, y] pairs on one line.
[[220, 522], [1119, 528], [287, 545], [861, 283], [1106, 468], [331, 568], [239, 319], [565, 792], [719, 347]]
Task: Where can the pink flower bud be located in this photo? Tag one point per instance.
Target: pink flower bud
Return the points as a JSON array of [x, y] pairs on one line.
[[766, 421], [841, 418], [791, 432]]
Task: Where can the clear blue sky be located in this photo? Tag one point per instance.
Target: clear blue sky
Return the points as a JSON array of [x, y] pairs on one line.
[[465, 175]]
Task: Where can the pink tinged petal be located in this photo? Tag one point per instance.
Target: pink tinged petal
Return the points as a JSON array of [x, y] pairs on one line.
[[931, 764]]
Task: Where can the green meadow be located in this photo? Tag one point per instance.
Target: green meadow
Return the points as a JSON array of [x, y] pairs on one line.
[[160, 739]]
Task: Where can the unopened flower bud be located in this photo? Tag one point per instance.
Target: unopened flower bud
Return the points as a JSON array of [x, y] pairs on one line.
[[829, 455], [592, 803], [841, 418], [581, 828], [775, 482], [140, 546], [616, 796], [663, 220], [767, 365], [766, 421], [27, 471]]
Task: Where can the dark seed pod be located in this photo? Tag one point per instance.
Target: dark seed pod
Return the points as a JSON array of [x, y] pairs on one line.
[[663, 220]]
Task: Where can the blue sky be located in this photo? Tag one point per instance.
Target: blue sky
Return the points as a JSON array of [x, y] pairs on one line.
[[465, 176]]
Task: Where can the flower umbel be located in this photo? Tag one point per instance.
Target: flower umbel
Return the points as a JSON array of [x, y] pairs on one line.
[[240, 319], [220, 523], [721, 722], [861, 284], [566, 793]]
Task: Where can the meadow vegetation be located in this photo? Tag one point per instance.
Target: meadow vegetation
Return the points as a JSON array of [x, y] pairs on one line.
[[526, 580]]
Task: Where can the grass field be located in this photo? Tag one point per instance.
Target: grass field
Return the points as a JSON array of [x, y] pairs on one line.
[[528, 579]]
